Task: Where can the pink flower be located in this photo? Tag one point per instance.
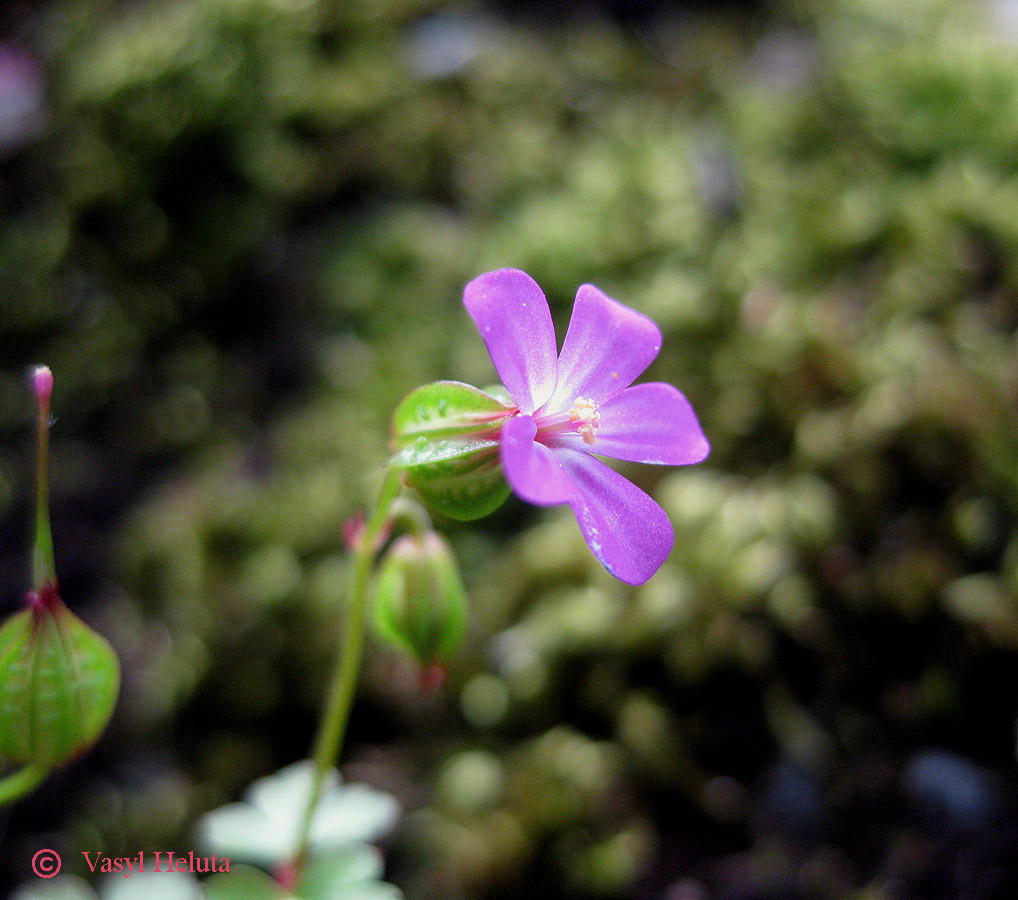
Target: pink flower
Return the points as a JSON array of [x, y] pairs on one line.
[[578, 403]]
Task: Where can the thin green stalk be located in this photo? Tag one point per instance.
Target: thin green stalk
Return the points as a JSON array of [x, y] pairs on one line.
[[23, 781], [411, 516], [16, 784], [343, 687], [43, 564]]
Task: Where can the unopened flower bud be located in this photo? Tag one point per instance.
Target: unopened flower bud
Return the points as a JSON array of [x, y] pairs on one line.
[[420, 604], [446, 440]]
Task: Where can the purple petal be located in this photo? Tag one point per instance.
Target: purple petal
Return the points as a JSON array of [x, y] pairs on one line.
[[512, 314], [648, 423], [626, 530], [607, 346], [533, 471]]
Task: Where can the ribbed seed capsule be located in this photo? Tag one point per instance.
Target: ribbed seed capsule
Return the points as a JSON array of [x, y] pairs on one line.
[[59, 682]]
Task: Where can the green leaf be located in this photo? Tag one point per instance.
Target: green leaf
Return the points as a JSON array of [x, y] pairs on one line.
[[147, 885], [446, 440], [352, 872], [59, 682], [63, 887], [378, 890], [243, 883]]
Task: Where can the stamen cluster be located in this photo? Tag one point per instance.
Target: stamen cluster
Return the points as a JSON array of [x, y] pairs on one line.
[[585, 417]]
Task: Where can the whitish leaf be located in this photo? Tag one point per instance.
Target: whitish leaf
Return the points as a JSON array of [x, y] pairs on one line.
[[264, 829]]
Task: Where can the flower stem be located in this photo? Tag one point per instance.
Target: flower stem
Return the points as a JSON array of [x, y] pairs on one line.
[[410, 515], [43, 564], [24, 780], [343, 687]]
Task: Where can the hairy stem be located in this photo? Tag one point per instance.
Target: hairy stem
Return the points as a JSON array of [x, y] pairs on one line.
[[343, 687]]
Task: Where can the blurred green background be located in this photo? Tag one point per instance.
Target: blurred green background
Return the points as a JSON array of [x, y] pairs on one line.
[[238, 231]]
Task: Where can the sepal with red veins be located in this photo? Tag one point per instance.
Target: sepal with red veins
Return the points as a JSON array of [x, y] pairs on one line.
[[446, 441]]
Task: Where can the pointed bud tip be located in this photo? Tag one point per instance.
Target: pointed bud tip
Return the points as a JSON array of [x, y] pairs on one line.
[[42, 383], [431, 678], [353, 530], [286, 875]]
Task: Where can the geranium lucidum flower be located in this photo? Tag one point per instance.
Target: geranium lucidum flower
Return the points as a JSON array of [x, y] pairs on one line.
[[578, 403]]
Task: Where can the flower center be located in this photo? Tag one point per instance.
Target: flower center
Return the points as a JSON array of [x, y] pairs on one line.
[[585, 417]]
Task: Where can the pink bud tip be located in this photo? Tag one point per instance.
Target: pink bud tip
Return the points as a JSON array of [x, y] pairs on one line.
[[431, 678], [286, 875], [42, 383], [353, 530]]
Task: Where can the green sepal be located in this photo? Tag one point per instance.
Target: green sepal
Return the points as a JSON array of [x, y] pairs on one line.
[[420, 603], [447, 409], [445, 438], [464, 487], [59, 682]]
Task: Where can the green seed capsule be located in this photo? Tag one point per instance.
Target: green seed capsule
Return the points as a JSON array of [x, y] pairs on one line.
[[59, 682], [420, 604]]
